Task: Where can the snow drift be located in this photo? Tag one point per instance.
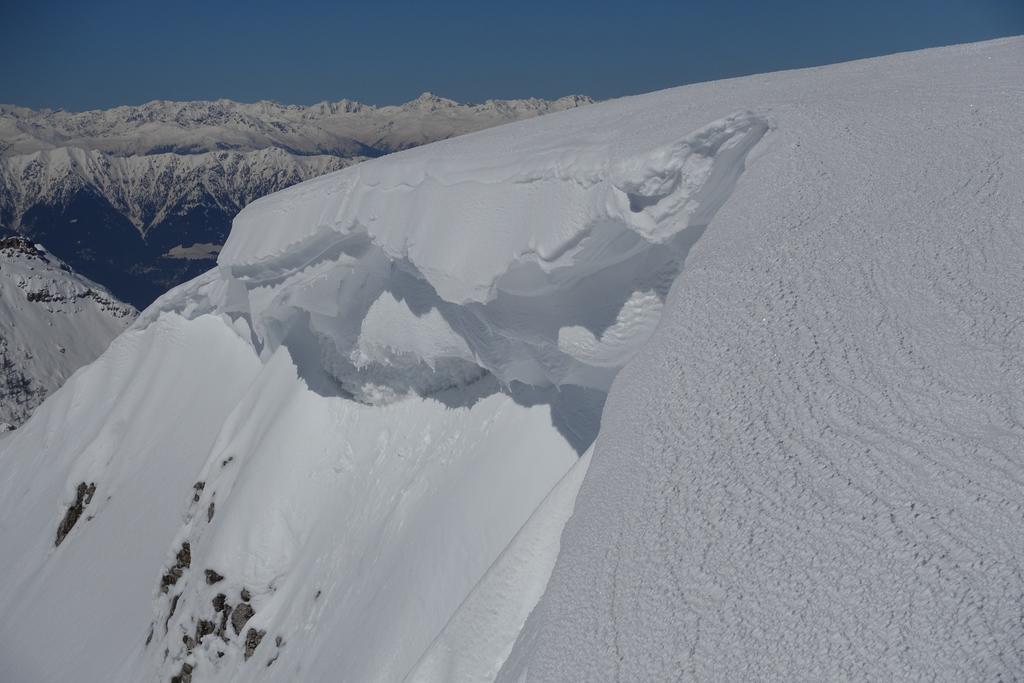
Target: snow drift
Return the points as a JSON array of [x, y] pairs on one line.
[[546, 270], [349, 451]]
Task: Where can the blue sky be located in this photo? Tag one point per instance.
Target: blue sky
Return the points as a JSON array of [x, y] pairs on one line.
[[81, 55]]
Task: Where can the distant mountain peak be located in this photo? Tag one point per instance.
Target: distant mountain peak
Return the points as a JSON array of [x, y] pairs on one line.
[[54, 322], [122, 193], [430, 102]]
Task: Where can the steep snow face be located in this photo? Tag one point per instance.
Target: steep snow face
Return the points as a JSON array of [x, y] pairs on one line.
[[130, 430], [478, 638], [52, 322], [328, 537], [814, 470]]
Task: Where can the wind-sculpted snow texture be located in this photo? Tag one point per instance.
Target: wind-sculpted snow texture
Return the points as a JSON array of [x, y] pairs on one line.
[[347, 452], [814, 470]]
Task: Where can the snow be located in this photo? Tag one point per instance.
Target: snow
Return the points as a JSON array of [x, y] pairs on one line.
[[52, 322], [799, 294], [814, 469], [385, 266], [478, 638], [332, 513], [118, 422]]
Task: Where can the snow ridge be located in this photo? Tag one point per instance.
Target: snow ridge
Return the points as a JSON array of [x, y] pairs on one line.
[[617, 232]]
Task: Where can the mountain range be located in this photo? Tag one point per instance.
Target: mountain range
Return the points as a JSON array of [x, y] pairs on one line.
[[140, 198]]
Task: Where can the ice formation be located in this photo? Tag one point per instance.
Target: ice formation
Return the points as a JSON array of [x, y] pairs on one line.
[[428, 271]]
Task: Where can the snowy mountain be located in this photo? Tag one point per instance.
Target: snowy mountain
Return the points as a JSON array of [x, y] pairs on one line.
[[721, 382], [141, 224], [141, 198], [52, 322], [345, 128]]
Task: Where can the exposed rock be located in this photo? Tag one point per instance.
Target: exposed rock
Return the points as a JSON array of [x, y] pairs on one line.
[[184, 676], [182, 561], [241, 614], [20, 245], [184, 556], [213, 577], [209, 512], [279, 642], [220, 604], [170, 578], [83, 495], [222, 629], [174, 606], [198, 486], [204, 628], [252, 641], [246, 595]]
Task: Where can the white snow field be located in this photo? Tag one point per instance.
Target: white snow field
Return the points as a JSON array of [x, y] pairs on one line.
[[349, 452]]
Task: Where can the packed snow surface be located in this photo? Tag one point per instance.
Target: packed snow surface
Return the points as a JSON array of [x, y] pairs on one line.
[[349, 451], [814, 469]]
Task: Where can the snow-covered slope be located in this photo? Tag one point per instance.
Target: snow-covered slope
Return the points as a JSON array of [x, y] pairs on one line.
[[52, 322], [815, 468], [131, 195], [347, 453]]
